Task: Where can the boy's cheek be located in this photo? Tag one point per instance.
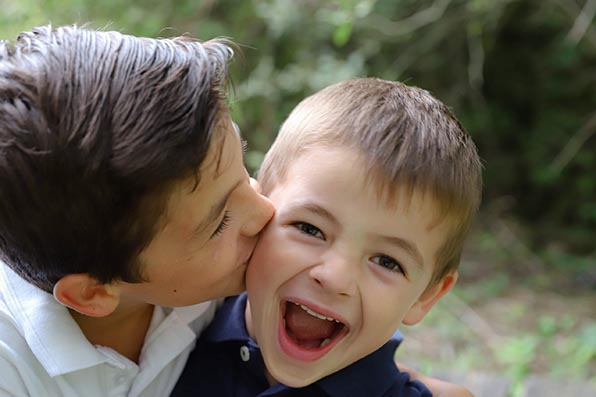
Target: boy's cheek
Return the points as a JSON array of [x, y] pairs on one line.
[[281, 254], [272, 246], [265, 261]]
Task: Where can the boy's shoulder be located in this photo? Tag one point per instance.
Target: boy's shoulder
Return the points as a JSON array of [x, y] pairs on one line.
[[28, 318], [21, 371], [229, 321]]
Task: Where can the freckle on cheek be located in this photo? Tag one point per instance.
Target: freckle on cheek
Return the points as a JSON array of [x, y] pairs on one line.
[[175, 290]]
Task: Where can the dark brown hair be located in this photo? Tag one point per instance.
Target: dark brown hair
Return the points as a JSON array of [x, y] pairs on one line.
[[408, 140], [95, 127]]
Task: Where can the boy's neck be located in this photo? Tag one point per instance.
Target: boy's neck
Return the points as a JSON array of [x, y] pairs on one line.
[[124, 330]]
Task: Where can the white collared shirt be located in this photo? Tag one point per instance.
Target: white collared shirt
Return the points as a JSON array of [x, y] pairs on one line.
[[43, 352]]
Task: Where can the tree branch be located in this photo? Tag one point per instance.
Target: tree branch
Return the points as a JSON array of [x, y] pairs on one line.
[[573, 10], [574, 145], [409, 24], [582, 22]]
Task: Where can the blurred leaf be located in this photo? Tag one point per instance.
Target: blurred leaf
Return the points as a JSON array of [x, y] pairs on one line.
[[342, 34]]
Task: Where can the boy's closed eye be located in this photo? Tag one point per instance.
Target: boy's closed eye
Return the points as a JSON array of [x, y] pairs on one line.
[[222, 225]]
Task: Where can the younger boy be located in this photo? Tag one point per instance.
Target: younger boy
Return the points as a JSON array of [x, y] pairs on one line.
[[375, 184]]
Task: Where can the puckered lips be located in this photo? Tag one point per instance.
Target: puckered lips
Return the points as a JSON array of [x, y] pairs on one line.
[[306, 332]]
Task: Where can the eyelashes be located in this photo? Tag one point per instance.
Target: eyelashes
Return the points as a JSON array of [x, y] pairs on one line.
[[389, 263], [309, 229], [222, 225]]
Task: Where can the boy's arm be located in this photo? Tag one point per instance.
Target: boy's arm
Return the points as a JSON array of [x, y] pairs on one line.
[[438, 387]]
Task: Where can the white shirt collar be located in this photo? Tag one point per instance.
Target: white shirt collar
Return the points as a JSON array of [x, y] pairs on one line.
[[47, 326], [49, 329]]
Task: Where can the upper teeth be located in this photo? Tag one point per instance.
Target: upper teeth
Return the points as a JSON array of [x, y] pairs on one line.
[[315, 314]]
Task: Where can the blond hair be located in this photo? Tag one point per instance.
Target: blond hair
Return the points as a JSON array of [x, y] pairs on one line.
[[408, 139]]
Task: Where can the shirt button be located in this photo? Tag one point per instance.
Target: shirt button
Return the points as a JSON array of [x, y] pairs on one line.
[[244, 353]]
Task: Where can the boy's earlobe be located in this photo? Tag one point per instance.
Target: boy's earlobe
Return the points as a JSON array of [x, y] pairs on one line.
[[84, 294], [428, 299]]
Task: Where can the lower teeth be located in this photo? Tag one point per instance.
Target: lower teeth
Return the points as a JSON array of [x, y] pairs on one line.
[[325, 342]]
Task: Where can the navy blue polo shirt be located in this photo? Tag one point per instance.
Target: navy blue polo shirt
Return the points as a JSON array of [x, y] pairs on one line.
[[228, 363]]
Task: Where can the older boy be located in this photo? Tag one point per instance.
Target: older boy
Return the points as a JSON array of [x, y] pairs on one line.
[[375, 184], [122, 190]]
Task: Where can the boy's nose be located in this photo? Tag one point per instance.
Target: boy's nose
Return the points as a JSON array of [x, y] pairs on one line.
[[260, 208], [336, 274]]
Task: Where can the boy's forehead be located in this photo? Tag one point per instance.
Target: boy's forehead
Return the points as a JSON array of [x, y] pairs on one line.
[[390, 191], [207, 179], [428, 206], [236, 128], [222, 151]]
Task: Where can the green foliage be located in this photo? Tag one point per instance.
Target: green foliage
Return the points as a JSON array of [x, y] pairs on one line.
[[585, 351], [517, 354], [519, 80], [517, 340]]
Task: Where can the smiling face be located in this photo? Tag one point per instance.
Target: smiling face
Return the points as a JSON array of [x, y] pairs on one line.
[[209, 232], [337, 271]]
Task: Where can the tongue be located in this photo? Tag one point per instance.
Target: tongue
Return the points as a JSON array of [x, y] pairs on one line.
[[305, 327]]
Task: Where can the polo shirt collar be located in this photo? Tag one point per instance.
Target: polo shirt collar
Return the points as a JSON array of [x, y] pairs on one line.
[[372, 375], [232, 326], [50, 330]]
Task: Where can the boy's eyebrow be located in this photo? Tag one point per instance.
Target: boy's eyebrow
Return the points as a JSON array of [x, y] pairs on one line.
[[317, 210], [407, 246]]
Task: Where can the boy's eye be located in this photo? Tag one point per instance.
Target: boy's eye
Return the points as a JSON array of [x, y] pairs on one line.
[[389, 263], [222, 225], [307, 228]]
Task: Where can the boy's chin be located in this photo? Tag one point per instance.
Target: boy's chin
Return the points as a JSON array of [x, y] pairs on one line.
[[295, 379]]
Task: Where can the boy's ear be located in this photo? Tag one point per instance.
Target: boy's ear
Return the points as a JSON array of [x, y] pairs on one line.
[[429, 298], [86, 295]]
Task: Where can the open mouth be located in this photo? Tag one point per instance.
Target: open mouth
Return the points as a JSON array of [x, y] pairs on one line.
[[307, 334]]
